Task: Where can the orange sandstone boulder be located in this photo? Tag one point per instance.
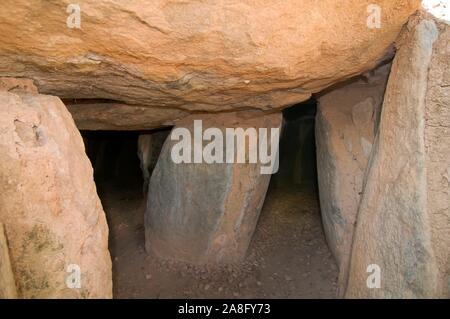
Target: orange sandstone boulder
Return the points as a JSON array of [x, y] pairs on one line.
[[195, 55], [53, 218]]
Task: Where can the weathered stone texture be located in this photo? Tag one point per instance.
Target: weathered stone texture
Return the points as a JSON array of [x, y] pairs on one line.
[[437, 146], [403, 216], [8, 288], [346, 124], [149, 148], [201, 212], [195, 55], [121, 117], [49, 204]]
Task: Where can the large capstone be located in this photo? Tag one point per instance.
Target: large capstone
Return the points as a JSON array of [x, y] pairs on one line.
[[177, 57]]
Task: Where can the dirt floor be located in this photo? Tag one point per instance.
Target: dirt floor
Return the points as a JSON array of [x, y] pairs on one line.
[[288, 257]]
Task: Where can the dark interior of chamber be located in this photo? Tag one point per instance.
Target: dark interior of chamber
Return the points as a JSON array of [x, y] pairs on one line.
[[114, 158], [297, 147]]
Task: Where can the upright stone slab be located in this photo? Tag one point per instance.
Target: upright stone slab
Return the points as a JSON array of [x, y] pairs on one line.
[[8, 288], [346, 124], [402, 230], [201, 212], [54, 221], [149, 148], [437, 145]]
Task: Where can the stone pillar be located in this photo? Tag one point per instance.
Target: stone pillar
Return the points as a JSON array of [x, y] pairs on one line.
[[346, 124], [201, 212], [437, 146], [403, 223], [149, 148], [8, 288], [49, 204]]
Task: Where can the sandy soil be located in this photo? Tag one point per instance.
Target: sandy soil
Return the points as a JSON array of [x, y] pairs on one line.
[[288, 257]]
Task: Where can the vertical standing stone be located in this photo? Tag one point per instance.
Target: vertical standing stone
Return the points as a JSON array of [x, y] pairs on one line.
[[203, 212], [8, 288], [437, 146], [346, 124], [403, 219], [149, 148], [49, 204]]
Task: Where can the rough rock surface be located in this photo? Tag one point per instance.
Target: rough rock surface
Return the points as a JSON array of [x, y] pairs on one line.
[[403, 219], [195, 55], [122, 117], [17, 85], [149, 148], [202, 213], [49, 204], [346, 124], [8, 288], [437, 145]]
